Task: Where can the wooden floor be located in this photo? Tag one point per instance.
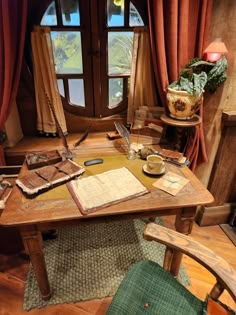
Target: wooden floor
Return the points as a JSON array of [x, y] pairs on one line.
[[13, 270]]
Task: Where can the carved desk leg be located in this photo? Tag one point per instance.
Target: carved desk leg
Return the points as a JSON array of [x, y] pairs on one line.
[[183, 224], [32, 240]]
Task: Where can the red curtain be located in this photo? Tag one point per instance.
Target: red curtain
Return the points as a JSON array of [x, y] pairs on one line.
[[178, 32], [13, 16]]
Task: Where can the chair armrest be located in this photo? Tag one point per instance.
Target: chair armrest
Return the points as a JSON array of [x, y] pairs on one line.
[[224, 272]]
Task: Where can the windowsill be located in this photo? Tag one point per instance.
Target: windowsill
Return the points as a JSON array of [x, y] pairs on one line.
[[94, 143]]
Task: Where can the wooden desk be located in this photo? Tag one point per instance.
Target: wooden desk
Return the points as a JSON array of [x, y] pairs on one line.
[[56, 209]]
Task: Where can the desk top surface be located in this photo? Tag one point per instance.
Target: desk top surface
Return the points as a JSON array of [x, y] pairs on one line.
[[57, 204]]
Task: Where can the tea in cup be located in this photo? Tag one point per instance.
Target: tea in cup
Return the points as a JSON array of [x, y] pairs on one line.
[[155, 164]]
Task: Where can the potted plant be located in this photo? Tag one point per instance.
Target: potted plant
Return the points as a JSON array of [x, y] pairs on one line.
[[185, 95]]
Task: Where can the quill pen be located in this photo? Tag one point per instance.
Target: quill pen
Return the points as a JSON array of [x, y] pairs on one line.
[[83, 137], [123, 132], [68, 153]]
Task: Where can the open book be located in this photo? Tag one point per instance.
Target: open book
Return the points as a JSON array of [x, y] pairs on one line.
[[99, 191]]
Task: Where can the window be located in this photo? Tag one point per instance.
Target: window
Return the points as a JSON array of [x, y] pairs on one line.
[[92, 46]]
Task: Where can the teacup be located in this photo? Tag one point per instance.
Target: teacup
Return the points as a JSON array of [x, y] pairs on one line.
[[155, 164]]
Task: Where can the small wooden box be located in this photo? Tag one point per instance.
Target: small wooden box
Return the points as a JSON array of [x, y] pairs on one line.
[[39, 159]]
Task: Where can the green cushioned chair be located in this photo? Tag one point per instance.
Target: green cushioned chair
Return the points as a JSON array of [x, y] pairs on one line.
[[149, 289]]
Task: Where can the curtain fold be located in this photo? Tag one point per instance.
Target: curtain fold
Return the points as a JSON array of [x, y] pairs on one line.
[[13, 15], [142, 88], [45, 82], [179, 31], [158, 49]]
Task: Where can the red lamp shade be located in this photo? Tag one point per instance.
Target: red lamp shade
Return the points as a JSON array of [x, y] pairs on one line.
[[211, 57], [214, 50]]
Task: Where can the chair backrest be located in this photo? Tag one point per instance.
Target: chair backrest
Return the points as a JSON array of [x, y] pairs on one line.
[[221, 269], [148, 285]]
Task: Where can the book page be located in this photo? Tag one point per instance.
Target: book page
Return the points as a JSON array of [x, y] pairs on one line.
[[106, 188]]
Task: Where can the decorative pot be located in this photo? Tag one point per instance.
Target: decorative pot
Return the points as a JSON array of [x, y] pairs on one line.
[[182, 105]]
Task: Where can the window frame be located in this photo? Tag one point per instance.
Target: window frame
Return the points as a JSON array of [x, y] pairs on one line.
[[95, 62]]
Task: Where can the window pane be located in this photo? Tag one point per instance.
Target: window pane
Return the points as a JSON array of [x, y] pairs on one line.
[[134, 17], [70, 12], [115, 92], [115, 13], [50, 17], [61, 87], [76, 91], [119, 52], [67, 52]]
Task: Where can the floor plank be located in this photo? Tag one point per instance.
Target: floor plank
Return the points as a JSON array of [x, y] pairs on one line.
[[13, 271]]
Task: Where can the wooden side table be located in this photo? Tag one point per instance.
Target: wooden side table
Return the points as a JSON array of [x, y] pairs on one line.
[[180, 126]]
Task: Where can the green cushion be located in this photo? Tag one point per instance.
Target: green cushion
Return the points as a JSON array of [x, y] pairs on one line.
[[148, 289]]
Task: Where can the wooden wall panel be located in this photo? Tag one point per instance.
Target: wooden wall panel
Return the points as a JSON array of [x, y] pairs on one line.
[[222, 26], [223, 176]]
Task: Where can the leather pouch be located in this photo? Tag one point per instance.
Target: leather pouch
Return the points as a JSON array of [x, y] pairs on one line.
[[49, 176]]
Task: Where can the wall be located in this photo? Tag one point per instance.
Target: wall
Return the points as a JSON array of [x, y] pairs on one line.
[[223, 25]]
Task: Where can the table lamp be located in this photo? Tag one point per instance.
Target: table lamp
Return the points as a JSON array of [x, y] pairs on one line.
[[214, 50]]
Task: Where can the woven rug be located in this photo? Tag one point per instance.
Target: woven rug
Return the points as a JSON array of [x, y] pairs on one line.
[[89, 261]]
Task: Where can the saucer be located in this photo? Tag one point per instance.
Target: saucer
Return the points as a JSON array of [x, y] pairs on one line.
[[147, 171]]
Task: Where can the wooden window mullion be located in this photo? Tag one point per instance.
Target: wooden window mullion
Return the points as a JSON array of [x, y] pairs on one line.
[[58, 12]]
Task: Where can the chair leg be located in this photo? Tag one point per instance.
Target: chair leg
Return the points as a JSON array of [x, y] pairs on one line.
[[216, 291], [176, 262], [168, 259]]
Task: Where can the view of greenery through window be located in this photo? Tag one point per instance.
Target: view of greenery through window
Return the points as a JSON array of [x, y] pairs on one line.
[[120, 52], [68, 50]]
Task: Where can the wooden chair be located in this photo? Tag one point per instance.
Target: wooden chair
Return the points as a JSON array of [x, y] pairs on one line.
[[150, 289]]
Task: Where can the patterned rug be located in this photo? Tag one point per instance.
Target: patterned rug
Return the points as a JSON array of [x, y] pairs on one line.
[[89, 261]]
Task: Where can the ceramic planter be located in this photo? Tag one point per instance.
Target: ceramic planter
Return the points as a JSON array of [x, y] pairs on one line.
[[181, 104]]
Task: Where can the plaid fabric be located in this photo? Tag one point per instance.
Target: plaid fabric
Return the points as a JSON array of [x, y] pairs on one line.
[[148, 289]]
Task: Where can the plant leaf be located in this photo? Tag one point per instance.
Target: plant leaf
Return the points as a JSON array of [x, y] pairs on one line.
[[199, 82], [186, 85], [174, 85], [201, 63], [217, 75]]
